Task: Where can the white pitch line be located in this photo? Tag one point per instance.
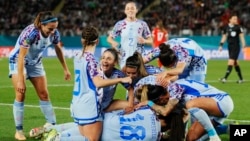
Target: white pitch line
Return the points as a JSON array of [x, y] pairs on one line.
[[71, 85], [51, 85], [33, 106], [62, 108]]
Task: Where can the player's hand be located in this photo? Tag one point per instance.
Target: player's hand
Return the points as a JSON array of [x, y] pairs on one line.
[[21, 88], [115, 45], [126, 80], [67, 75], [220, 48], [144, 103], [129, 110], [141, 40], [163, 81]]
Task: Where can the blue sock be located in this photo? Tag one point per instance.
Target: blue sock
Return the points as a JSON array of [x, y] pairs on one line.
[[18, 109], [203, 119], [222, 129], [48, 111]]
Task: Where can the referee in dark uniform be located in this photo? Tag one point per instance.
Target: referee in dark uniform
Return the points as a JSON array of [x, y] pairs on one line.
[[233, 33]]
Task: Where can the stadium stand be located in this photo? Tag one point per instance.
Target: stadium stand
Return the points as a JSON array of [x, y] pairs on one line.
[[181, 17]]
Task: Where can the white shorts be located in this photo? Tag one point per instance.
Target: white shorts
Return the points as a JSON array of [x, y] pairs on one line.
[[226, 106], [86, 109]]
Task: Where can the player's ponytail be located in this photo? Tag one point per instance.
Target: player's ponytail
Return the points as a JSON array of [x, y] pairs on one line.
[[167, 56], [89, 36], [44, 18]]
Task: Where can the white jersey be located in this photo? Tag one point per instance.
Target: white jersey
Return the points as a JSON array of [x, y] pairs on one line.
[[186, 90], [86, 102], [129, 33], [141, 125], [187, 51], [32, 39]]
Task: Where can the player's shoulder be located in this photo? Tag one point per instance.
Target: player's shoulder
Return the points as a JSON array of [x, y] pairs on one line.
[[31, 29]]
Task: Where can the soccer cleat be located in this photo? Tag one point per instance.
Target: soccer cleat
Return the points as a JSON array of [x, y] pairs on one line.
[[239, 81], [47, 124], [50, 136], [165, 135], [36, 132], [20, 135], [223, 80]]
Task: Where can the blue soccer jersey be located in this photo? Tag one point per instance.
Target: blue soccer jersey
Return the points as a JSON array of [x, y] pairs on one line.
[[187, 51], [141, 125], [107, 93], [129, 33]]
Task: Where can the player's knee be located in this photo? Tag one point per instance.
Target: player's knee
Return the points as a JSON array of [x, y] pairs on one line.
[[191, 137], [44, 95]]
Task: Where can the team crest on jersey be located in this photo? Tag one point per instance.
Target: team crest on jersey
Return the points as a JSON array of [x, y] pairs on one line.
[[233, 33]]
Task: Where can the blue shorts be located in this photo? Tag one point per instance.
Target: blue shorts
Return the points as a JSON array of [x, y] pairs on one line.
[[29, 70]]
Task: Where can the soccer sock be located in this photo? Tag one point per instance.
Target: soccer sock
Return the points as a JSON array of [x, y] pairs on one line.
[[205, 137], [48, 111], [62, 127], [221, 129], [72, 134], [229, 69], [204, 120], [18, 109], [237, 68]]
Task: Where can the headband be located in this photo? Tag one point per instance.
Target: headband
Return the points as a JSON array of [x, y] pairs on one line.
[[49, 20]]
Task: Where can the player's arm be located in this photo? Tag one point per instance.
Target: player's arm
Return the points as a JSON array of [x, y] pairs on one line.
[[60, 56], [20, 73], [173, 71], [100, 82], [112, 42], [162, 110]]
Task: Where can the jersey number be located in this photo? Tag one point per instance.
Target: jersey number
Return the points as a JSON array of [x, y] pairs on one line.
[[130, 132], [160, 36], [130, 41], [77, 83]]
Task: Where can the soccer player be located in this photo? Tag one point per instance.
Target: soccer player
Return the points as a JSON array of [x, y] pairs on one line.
[[136, 69], [108, 62], [184, 56], [233, 33], [142, 124], [25, 62], [86, 106], [159, 35], [200, 99], [134, 34]]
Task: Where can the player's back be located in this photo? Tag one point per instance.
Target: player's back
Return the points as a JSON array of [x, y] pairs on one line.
[[83, 82], [141, 125], [190, 45], [194, 89]]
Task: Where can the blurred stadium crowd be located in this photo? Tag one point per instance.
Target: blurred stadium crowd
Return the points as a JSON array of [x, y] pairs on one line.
[[181, 17]]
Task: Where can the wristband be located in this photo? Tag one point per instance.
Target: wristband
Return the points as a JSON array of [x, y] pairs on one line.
[[150, 103], [221, 44]]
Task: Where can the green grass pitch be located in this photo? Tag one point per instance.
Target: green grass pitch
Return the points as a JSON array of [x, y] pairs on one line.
[[61, 92]]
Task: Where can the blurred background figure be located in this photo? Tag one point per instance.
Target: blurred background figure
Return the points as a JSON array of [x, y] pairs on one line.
[[159, 35]]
